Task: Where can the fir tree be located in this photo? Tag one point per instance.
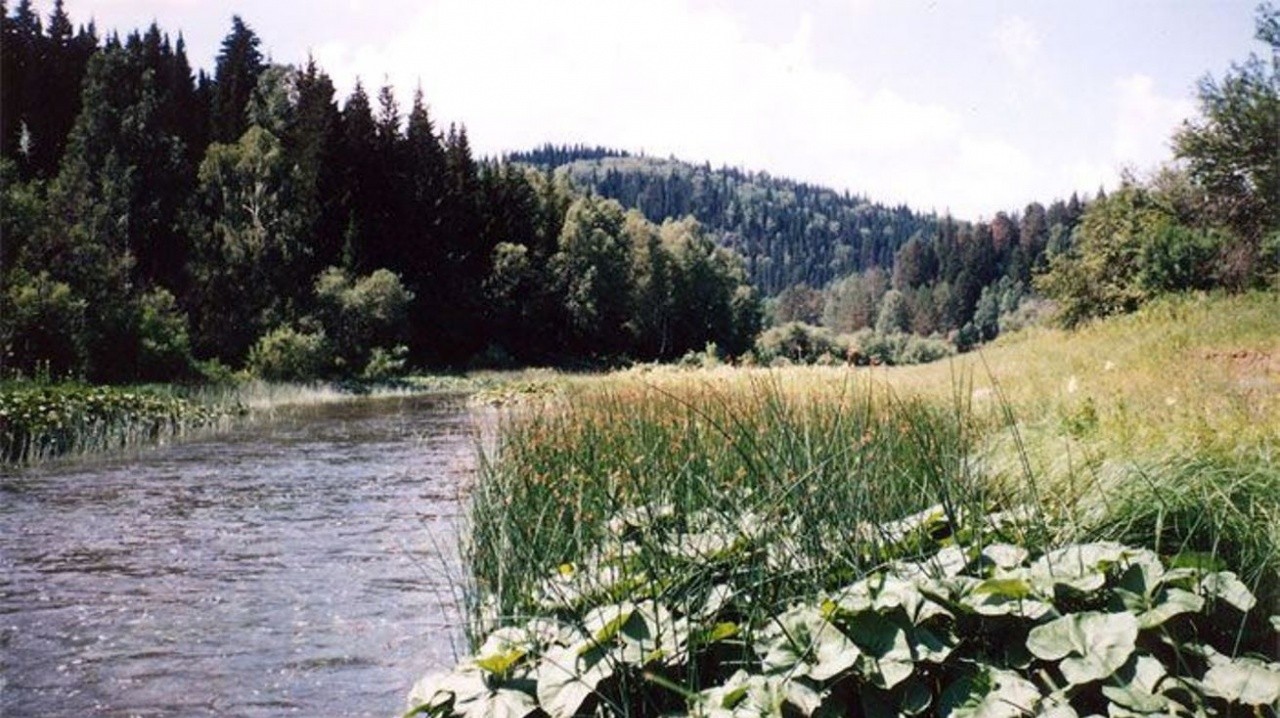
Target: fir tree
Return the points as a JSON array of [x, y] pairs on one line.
[[235, 76]]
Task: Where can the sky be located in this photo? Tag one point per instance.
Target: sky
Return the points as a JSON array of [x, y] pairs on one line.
[[969, 107]]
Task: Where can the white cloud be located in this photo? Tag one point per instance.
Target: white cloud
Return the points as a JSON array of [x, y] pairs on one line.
[[813, 91], [1018, 40], [1145, 121], [672, 79], [1141, 127]]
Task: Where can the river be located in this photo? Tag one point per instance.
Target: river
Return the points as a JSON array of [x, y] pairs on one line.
[[302, 565]]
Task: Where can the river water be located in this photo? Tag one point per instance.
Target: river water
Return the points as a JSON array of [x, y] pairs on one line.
[[303, 565]]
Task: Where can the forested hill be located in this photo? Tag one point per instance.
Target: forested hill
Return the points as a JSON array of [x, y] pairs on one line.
[[159, 224], [789, 232]]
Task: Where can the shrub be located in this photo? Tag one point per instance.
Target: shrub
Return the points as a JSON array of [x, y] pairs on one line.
[[898, 348], [41, 321], [164, 344], [385, 364], [361, 313], [708, 358], [286, 354], [797, 342]]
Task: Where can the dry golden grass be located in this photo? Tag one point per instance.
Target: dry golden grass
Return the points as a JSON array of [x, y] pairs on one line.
[[1190, 375]]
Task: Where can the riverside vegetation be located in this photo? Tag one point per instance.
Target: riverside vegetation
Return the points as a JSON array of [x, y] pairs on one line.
[[39, 422], [1068, 524]]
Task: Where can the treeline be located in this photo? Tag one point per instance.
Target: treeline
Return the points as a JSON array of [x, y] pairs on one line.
[[158, 224], [848, 279], [963, 283], [788, 232], [838, 261], [1210, 219]]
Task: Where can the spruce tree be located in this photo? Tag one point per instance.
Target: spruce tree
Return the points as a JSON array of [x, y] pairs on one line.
[[314, 145], [359, 161], [235, 76]]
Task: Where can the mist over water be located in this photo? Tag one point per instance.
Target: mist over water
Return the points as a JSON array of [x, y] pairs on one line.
[[304, 565]]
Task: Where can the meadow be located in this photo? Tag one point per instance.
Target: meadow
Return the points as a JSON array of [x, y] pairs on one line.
[[1063, 523]]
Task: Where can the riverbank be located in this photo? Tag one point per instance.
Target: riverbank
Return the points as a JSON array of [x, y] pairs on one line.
[[40, 421], [639, 544]]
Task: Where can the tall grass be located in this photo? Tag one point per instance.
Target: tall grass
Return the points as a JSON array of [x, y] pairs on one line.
[[1159, 429], [815, 479]]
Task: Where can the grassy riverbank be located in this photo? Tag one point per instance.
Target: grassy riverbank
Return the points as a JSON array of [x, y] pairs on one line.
[[1169, 412], [42, 420], [710, 506]]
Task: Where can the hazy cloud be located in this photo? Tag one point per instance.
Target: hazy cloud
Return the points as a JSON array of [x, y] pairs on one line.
[[1018, 40], [894, 100], [1145, 121], [669, 78]]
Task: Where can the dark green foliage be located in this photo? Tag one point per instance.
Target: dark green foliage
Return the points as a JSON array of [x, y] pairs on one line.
[[248, 248], [235, 77], [1233, 153], [288, 354], [41, 66], [797, 303], [1129, 247], [361, 315], [153, 219], [800, 343], [787, 232], [311, 141], [40, 328], [153, 249]]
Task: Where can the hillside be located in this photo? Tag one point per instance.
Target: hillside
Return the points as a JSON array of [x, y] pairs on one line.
[[789, 232]]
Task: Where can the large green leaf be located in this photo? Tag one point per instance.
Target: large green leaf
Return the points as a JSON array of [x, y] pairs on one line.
[[887, 658], [568, 675], [604, 623], [1167, 604], [916, 698], [1005, 556], [1245, 680], [1139, 686], [757, 696], [574, 586], [931, 646], [802, 642], [1226, 586], [990, 694], [1011, 595], [498, 703], [466, 693], [1148, 591], [918, 524], [1082, 567], [884, 592], [434, 694], [1091, 645], [651, 632], [503, 650]]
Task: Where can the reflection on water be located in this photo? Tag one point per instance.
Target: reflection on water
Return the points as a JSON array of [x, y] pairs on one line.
[[287, 567]]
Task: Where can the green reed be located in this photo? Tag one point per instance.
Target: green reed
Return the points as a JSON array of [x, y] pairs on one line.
[[817, 475], [41, 422]]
